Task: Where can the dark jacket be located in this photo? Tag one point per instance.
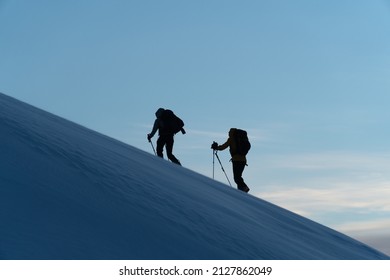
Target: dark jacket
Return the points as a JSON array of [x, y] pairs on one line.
[[159, 125], [233, 149]]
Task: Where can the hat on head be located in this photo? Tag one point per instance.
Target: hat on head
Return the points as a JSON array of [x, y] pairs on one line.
[[159, 112]]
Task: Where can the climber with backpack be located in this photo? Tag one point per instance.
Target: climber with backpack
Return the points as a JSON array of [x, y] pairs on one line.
[[167, 124], [239, 146]]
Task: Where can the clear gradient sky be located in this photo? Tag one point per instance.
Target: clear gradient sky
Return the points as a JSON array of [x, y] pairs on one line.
[[309, 80]]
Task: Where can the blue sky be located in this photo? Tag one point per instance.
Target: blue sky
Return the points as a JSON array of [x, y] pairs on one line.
[[309, 81]]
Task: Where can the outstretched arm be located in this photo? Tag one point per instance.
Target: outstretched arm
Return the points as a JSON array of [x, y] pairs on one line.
[[154, 130], [223, 146]]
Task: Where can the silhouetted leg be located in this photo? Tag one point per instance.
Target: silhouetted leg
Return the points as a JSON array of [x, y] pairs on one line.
[[160, 146], [238, 169], [169, 147]]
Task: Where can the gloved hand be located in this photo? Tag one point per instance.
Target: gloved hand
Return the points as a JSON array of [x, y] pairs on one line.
[[149, 137], [214, 146]]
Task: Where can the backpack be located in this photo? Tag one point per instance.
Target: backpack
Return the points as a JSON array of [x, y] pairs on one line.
[[172, 123], [242, 142]]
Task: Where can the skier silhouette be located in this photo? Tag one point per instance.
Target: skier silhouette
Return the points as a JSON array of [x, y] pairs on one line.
[[238, 157], [167, 125]]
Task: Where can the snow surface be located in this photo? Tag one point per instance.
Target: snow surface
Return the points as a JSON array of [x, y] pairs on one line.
[[67, 192]]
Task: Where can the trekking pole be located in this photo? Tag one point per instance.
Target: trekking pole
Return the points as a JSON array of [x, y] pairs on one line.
[[215, 152], [151, 143], [213, 162]]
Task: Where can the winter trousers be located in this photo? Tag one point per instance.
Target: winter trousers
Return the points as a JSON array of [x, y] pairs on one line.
[[167, 141], [238, 169]]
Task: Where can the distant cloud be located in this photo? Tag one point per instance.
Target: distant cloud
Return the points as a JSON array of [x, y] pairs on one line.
[[375, 233], [346, 191], [343, 196], [332, 160], [351, 208], [379, 242], [375, 227]]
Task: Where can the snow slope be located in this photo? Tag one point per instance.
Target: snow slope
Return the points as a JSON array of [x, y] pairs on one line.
[[67, 192]]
